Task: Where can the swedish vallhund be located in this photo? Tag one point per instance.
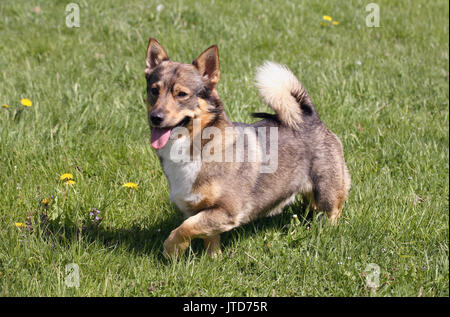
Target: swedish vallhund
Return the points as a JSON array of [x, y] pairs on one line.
[[217, 194]]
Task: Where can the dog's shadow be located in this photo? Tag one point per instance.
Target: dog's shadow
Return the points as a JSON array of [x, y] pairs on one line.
[[149, 240]]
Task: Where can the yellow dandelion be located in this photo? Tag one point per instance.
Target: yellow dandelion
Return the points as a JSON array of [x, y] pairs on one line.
[[5, 106], [26, 102], [45, 201], [327, 18], [20, 224], [70, 182], [66, 176], [335, 22], [130, 185]]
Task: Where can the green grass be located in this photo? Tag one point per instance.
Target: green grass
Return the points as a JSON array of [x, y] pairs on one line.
[[383, 91]]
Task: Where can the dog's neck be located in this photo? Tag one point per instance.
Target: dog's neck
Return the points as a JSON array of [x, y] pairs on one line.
[[219, 121]]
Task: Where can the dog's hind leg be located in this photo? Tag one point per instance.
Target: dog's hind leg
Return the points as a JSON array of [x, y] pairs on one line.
[[212, 245], [330, 201], [334, 215], [207, 224]]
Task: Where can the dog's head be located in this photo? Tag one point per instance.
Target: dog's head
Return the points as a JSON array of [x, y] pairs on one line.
[[178, 93]]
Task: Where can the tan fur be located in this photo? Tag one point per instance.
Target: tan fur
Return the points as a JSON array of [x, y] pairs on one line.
[[203, 114], [210, 191]]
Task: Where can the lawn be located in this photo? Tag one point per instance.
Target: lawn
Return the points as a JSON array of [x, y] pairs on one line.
[[382, 90]]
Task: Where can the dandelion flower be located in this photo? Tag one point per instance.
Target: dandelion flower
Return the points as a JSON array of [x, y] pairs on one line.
[[5, 106], [45, 201], [70, 182], [65, 177], [26, 102], [327, 18], [130, 185], [20, 224], [335, 22]]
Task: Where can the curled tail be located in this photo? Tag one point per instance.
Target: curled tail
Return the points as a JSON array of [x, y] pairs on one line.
[[284, 93]]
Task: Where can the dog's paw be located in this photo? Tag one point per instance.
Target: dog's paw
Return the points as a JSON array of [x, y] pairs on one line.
[[167, 256], [169, 249], [174, 246], [214, 253]]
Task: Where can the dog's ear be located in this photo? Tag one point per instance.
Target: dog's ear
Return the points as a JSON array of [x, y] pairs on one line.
[[208, 65], [155, 54]]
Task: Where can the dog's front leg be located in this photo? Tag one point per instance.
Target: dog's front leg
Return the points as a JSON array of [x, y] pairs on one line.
[[207, 224]]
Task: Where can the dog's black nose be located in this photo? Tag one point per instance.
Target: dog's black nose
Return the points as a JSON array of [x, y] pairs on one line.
[[157, 117]]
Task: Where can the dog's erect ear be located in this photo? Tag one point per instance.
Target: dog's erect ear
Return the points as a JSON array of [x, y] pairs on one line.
[[155, 54], [208, 65]]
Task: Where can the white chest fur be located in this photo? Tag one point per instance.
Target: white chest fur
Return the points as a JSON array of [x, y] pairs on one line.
[[181, 177]]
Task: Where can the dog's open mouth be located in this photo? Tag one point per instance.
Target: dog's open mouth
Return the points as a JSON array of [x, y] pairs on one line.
[[160, 136]]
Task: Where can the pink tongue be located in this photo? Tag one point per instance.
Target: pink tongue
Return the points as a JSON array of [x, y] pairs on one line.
[[160, 137]]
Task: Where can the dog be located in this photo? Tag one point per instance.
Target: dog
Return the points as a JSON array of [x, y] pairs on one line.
[[216, 196]]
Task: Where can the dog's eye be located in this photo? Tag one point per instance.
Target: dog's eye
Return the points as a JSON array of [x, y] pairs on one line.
[[181, 94], [154, 91]]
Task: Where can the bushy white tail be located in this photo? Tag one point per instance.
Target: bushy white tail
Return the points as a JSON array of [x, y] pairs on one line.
[[282, 91]]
